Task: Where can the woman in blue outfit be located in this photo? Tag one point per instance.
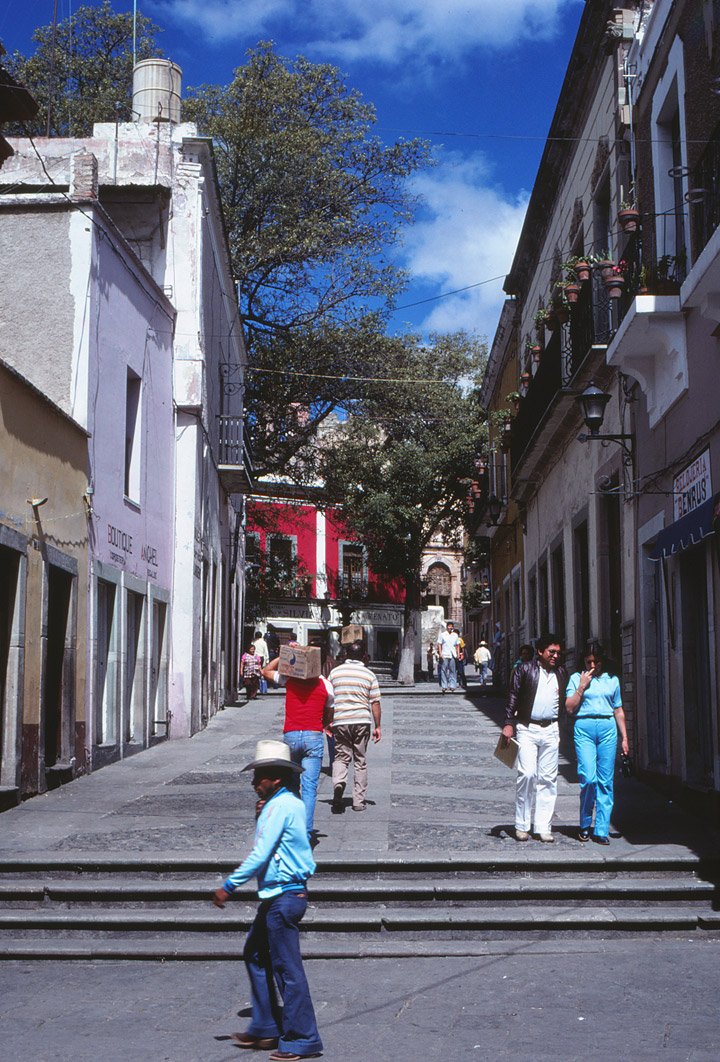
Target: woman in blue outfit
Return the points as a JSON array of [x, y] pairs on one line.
[[593, 697]]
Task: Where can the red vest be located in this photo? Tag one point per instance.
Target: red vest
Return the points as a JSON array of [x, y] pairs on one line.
[[304, 704]]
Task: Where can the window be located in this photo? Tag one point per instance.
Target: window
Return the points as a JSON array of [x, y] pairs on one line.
[[352, 563], [438, 587], [543, 598], [670, 165], [132, 436]]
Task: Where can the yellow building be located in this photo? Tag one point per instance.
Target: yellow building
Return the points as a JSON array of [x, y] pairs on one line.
[[43, 591]]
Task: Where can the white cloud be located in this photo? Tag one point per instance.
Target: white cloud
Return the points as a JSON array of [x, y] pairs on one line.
[[376, 29], [467, 235]]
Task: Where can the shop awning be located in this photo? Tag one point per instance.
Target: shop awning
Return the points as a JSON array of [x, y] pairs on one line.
[[687, 531]]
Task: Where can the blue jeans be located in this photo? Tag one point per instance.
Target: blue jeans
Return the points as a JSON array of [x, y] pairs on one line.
[[306, 748], [273, 961], [595, 745], [447, 673]]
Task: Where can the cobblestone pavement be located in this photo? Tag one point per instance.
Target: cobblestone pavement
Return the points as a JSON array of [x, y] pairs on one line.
[[435, 787]]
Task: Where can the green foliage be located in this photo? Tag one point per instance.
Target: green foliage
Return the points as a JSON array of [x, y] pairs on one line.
[[92, 69], [401, 467], [314, 205]]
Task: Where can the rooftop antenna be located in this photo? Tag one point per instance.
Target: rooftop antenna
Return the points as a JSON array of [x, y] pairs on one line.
[[134, 31]]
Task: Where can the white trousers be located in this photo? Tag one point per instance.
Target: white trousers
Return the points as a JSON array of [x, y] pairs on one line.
[[537, 764]]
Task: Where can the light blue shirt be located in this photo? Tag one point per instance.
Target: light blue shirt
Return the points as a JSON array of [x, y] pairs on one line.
[[601, 696], [281, 857]]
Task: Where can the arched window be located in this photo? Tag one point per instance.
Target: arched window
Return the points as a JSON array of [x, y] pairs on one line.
[[438, 587]]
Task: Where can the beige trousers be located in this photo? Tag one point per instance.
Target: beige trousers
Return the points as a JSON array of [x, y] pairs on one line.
[[351, 743]]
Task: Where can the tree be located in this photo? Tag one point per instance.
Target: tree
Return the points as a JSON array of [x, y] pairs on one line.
[[90, 69], [313, 205], [401, 468]]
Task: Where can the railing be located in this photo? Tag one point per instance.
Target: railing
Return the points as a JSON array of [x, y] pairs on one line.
[[705, 194], [234, 441], [546, 383], [591, 323]]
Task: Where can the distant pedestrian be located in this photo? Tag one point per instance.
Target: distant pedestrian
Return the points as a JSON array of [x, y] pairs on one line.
[[281, 860], [593, 697], [250, 671], [355, 712], [526, 654], [262, 651], [482, 658], [536, 693], [460, 662], [308, 708], [431, 651], [448, 642]]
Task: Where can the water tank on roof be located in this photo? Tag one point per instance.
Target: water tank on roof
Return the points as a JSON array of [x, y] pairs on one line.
[[157, 86]]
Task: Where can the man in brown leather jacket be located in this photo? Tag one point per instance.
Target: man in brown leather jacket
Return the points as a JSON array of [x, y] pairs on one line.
[[537, 692]]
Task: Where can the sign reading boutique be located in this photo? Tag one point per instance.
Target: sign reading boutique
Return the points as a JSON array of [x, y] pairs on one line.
[[692, 486]]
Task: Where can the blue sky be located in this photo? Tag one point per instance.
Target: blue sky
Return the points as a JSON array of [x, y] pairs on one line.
[[479, 79]]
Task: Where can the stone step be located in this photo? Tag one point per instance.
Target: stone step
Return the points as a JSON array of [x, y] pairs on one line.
[[239, 913], [662, 888]]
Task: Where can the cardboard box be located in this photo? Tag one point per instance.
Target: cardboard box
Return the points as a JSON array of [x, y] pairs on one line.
[[353, 633], [300, 661]]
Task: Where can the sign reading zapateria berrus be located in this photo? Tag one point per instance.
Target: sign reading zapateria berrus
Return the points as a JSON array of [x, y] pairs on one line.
[[693, 486]]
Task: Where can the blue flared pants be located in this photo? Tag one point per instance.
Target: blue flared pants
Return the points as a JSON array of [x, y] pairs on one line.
[[272, 958], [595, 746]]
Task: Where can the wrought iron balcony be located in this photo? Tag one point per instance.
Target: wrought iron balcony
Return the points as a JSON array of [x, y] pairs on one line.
[[705, 194], [235, 455]]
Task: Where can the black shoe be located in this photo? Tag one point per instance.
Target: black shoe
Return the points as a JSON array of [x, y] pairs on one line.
[[601, 840], [584, 835]]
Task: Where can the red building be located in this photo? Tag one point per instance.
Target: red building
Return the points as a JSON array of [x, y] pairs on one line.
[[309, 576]]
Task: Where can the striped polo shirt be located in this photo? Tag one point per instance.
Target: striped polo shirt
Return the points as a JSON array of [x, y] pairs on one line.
[[356, 688]]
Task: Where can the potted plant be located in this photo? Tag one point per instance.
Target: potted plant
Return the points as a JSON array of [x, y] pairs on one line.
[[615, 280], [604, 264], [541, 319], [577, 269], [514, 398], [628, 213], [560, 305]]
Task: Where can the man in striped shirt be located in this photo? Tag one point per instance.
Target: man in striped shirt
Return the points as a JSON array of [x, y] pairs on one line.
[[356, 710]]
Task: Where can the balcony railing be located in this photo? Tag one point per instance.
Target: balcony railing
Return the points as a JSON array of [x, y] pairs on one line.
[[235, 455], [705, 194], [546, 383]]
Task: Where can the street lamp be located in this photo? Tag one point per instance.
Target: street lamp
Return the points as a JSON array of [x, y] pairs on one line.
[[592, 402]]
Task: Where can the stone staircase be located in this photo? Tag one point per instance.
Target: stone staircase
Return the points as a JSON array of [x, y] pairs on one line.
[[106, 908]]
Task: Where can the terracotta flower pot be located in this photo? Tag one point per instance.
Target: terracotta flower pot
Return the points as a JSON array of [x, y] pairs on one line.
[[606, 269], [572, 291], [629, 219], [582, 271], [536, 353], [563, 314], [615, 286]]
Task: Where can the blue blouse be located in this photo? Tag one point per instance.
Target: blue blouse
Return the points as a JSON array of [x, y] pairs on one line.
[[601, 696]]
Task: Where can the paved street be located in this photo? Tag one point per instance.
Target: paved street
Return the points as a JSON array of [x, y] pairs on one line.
[[435, 790], [587, 1001]]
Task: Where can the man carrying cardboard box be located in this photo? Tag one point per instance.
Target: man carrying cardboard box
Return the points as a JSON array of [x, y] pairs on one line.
[[308, 709]]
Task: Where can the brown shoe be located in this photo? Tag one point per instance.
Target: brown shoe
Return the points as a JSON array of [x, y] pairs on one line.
[[290, 1056], [257, 1043]]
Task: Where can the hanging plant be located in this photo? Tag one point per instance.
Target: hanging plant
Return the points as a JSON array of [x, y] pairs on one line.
[[604, 264], [615, 280], [514, 398], [629, 217], [577, 269]]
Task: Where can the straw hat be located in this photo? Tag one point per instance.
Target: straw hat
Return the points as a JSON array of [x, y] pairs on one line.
[[273, 754]]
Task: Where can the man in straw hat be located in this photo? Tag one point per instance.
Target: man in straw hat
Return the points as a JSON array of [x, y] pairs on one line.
[[281, 859]]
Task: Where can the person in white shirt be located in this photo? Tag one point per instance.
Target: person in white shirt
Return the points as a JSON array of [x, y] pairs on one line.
[[448, 644], [536, 693]]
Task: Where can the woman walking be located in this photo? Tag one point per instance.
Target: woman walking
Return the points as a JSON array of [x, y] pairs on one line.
[[593, 697]]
